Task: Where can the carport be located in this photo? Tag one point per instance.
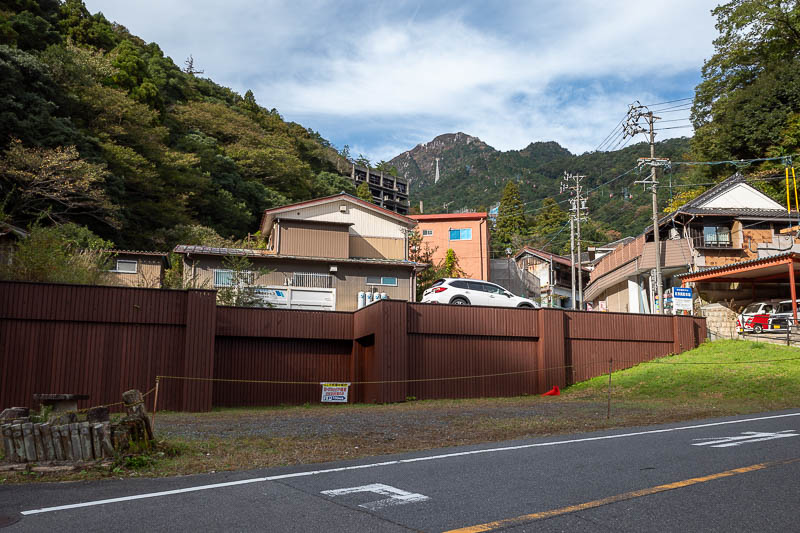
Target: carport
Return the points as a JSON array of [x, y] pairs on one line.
[[776, 268]]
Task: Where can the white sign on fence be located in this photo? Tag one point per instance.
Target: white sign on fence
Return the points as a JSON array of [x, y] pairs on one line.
[[682, 299], [334, 392]]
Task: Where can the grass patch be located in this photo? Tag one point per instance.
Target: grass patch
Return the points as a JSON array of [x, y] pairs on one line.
[[727, 372], [676, 388]]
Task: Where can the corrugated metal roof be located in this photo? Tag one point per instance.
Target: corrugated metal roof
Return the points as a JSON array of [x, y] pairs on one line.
[[739, 264], [548, 256], [449, 216], [264, 254]]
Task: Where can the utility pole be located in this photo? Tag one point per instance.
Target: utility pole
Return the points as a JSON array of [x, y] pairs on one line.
[[631, 127], [572, 183], [572, 258]]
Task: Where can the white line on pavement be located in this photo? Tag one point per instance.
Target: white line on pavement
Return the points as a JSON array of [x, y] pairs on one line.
[[397, 462]]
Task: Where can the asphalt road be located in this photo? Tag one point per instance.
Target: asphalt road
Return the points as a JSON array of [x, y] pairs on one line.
[[728, 474]]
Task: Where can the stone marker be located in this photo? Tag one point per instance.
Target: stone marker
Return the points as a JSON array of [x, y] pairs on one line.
[[47, 440], [37, 441], [19, 441], [58, 451], [98, 451], [30, 443], [75, 439], [86, 441], [8, 444]]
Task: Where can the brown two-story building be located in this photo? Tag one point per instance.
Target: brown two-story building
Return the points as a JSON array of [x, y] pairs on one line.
[[729, 223], [319, 255]]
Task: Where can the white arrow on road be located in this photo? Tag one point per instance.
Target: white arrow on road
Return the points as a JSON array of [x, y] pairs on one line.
[[745, 438], [398, 497]]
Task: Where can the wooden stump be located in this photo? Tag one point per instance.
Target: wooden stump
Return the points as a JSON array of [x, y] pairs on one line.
[[134, 407]]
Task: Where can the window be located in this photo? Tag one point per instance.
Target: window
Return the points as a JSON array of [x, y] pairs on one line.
[[225, 278], [460, 284], [716, 236], [382, 280], [126, 266], [464, 234], [427, 232]]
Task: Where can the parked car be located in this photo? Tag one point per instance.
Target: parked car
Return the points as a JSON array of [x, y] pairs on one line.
[[783, 314], [757, 323], [755, 308], [460, 291]]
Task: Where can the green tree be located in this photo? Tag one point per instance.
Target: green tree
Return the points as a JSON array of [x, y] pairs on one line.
[[363, 161], [449, 267], [548, 221], [363, 192], [243, 284], [59, 254], [511, 224], [751, 85], [421, 252], [384, 166]]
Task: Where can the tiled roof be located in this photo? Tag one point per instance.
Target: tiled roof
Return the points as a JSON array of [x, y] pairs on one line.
[[264, 254], [137, 252]]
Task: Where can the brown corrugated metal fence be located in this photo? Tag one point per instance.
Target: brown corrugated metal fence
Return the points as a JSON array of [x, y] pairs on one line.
[[102, 341]]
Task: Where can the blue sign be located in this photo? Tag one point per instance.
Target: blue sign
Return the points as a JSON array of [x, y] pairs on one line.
[[682, 292]]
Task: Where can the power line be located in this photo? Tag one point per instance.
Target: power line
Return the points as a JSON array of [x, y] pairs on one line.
[[671, 101], [674, 127]]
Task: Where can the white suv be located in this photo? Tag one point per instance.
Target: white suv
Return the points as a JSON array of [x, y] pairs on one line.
[[459, 291]]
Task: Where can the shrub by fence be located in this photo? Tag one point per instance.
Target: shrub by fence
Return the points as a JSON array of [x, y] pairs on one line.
[[104, 340]]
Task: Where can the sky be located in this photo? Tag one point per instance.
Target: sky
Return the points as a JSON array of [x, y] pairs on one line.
[[382, 77]]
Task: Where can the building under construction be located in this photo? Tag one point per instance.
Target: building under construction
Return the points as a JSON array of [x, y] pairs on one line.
[[389, 192]]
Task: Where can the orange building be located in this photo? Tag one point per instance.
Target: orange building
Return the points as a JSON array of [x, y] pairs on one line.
[[466, 233]]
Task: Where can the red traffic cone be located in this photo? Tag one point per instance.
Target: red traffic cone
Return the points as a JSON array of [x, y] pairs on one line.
[[555, 391]]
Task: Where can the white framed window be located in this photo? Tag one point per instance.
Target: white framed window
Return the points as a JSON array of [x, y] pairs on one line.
[[126, 266], [460, 234], [389, 281], [224, 278], [427, 232]]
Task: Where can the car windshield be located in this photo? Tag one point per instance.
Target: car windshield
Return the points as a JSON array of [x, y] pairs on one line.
[[785, 307], [752, 308]]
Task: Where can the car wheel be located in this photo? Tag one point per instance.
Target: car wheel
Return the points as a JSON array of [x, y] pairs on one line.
[[525, 306], [758, 329], [459, 301]]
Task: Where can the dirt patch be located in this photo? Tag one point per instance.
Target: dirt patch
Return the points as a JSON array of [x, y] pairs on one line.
[[240, 439]]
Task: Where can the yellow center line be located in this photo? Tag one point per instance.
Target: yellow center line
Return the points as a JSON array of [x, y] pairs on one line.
[[618, 498]]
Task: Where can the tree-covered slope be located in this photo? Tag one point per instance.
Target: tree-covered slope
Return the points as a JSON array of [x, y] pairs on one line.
[[473, 175], [100, 128]]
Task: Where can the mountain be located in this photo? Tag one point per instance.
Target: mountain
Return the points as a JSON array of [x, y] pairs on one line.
[[100, 128], [472, 175]]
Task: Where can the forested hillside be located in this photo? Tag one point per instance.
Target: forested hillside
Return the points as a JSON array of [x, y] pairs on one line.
[[100, 128], [473, 175]]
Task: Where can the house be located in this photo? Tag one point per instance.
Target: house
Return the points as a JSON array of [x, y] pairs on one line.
[[467, 234], [729, 223], [554, 273], [9, 235], [318, 254], [389, 192], [129, 268]]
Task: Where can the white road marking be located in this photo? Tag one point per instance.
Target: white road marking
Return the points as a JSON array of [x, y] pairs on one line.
[[745, 438], [399, 461], [396, 496]]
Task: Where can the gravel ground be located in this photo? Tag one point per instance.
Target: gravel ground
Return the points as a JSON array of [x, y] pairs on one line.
[[385, 420]]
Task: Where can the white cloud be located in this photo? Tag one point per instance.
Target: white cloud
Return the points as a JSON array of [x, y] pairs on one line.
[[362, 73]]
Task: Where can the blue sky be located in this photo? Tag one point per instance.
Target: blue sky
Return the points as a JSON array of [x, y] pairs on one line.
[[382, 77]]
